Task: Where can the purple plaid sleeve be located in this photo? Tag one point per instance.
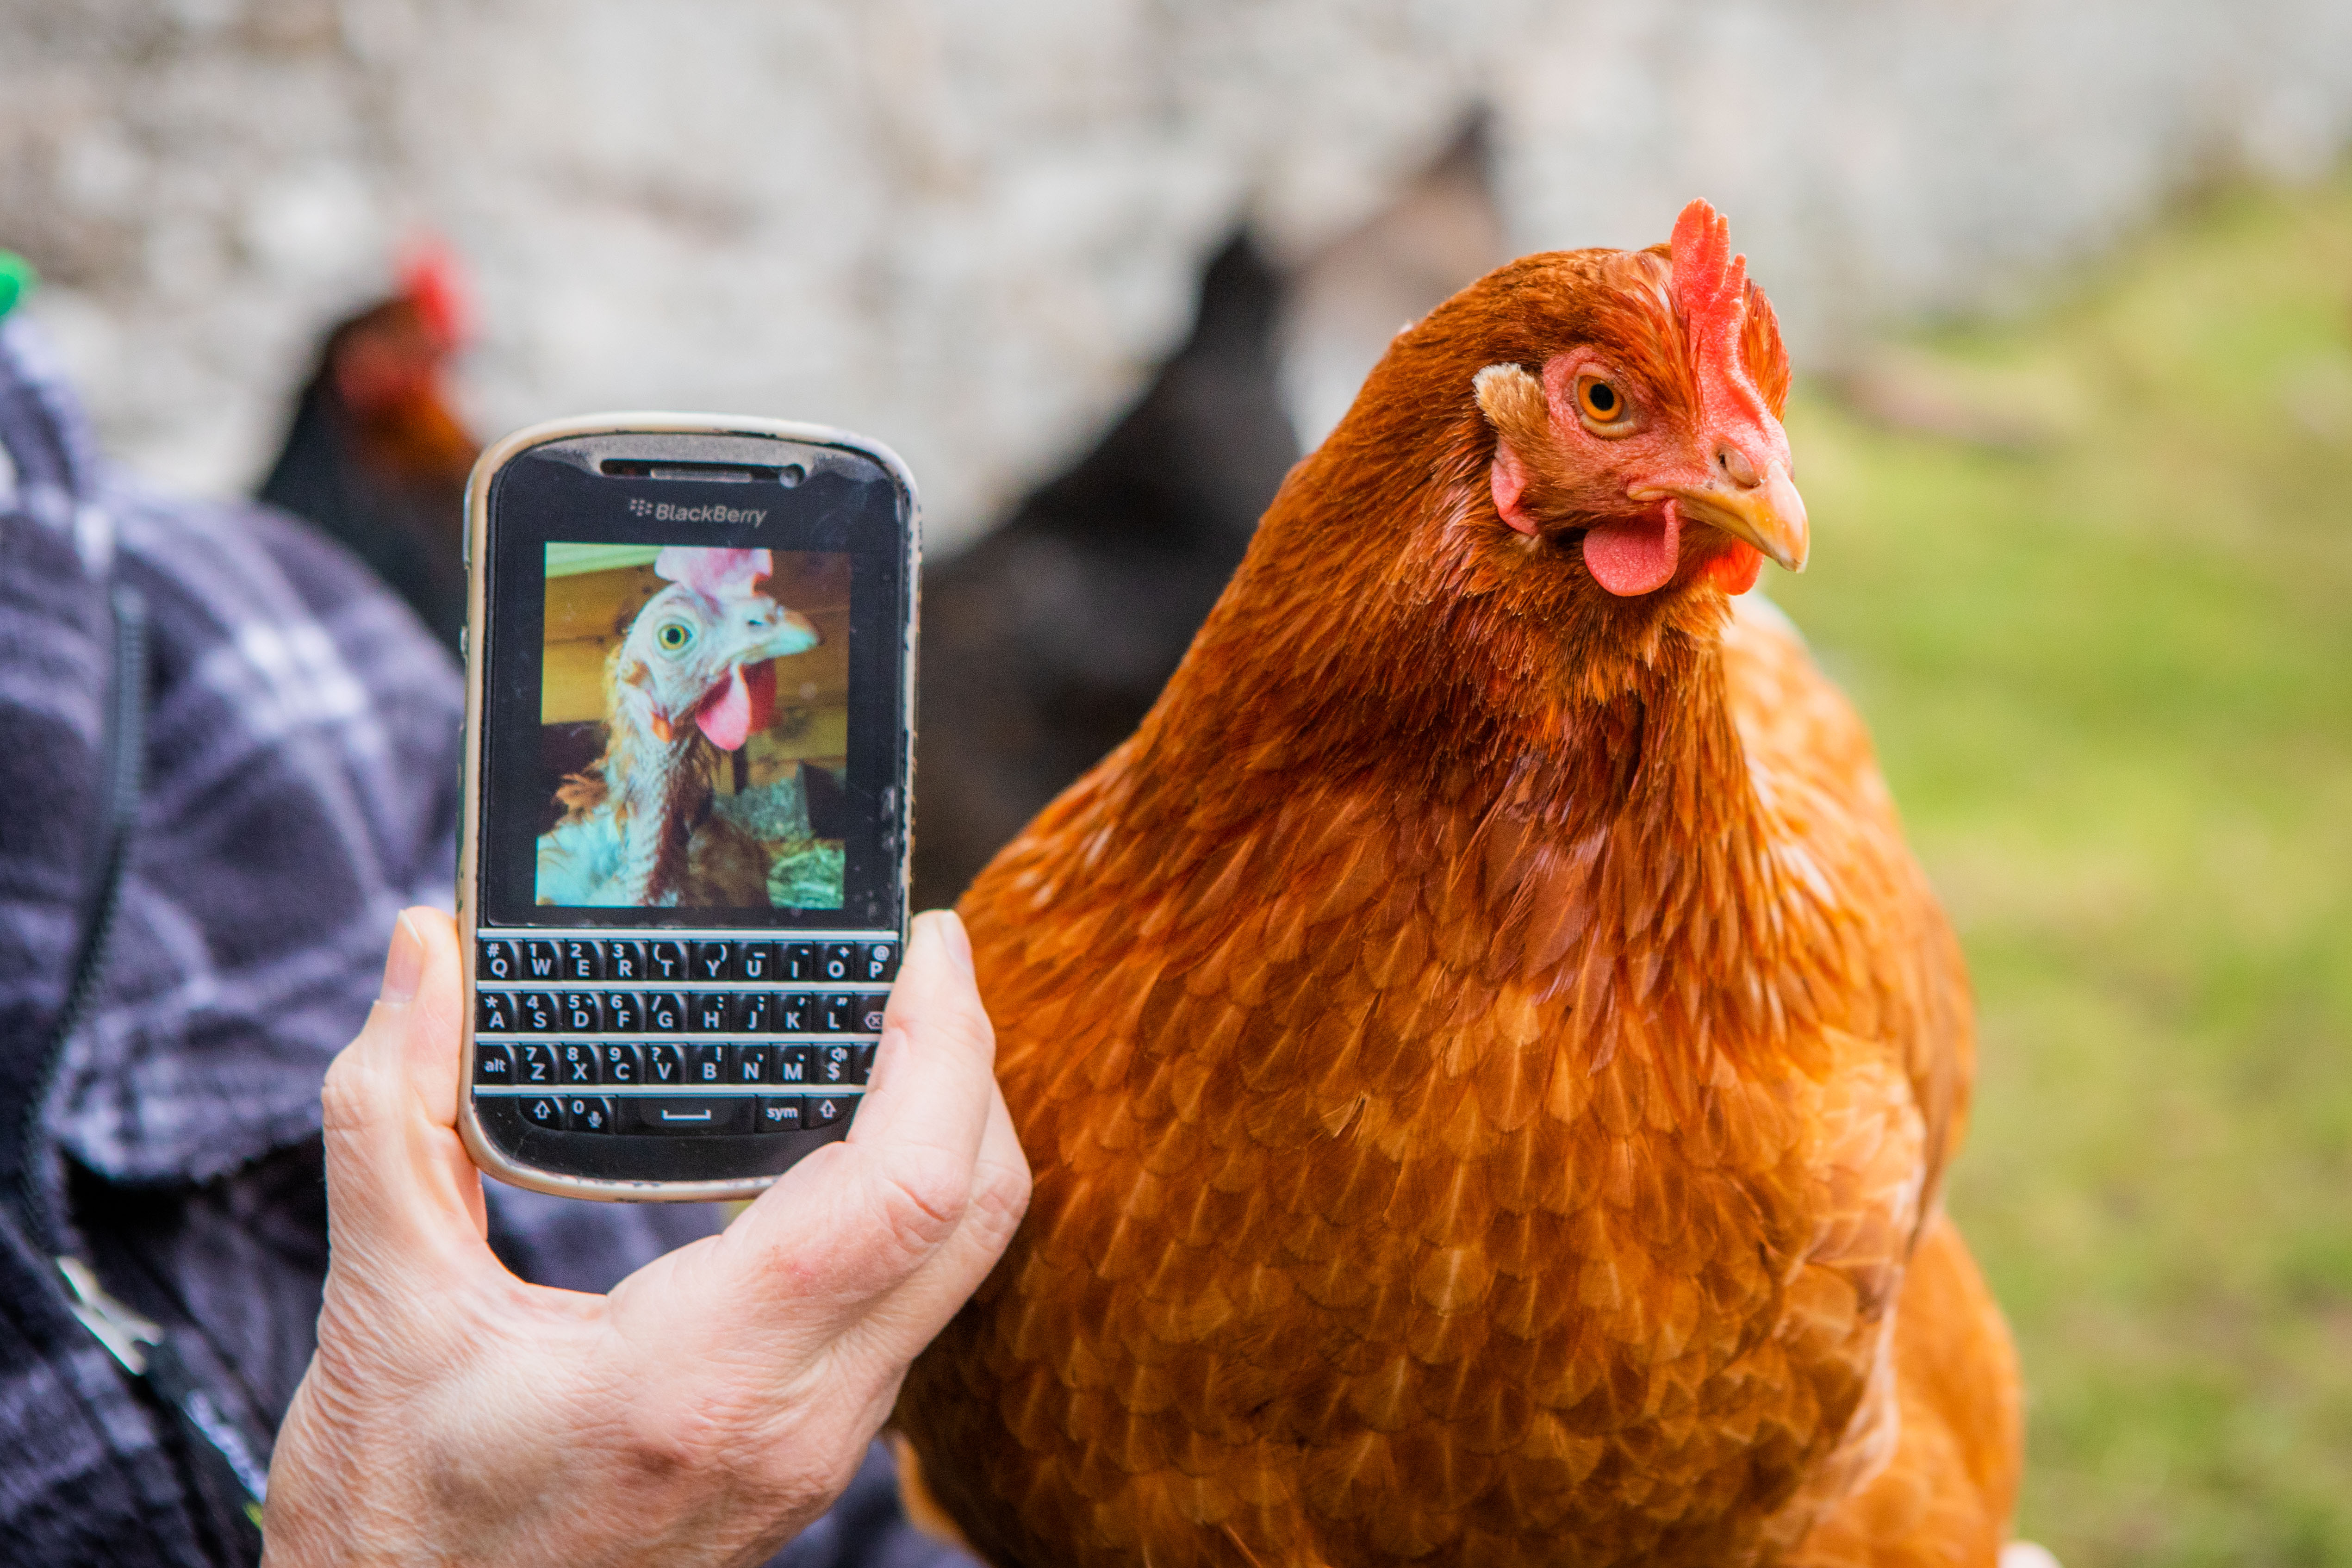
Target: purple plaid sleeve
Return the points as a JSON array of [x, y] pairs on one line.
[[301, 786]]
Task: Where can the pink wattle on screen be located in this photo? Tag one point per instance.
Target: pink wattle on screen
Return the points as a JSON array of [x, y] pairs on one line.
[[742, 706]]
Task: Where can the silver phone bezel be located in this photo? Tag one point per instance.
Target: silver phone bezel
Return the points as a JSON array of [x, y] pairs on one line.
[[486, 1154]]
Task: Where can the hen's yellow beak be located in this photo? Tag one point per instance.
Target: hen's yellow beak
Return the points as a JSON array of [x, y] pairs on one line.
[[1769, 514]]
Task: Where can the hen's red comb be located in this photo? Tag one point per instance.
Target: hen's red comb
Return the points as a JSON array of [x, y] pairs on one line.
[[1710, 288], [432, 281], [707, 569]]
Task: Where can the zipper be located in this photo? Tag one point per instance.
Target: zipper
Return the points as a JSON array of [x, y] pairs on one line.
[[124, 1333]]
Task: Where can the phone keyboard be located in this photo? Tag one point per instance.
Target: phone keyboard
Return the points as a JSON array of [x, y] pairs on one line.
[[678, 1037]]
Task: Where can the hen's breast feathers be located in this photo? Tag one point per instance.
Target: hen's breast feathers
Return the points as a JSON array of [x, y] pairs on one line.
[[1828, 808], [1409, 1177]]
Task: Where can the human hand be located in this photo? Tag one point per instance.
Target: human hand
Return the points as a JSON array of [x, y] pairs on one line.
[[716, 1401]]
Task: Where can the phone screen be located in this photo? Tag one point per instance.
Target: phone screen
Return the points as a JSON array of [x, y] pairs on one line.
[[730, 665], [693, 697]]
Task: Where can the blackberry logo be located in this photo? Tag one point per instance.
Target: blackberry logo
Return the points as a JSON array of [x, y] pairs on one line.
[[663, 512]]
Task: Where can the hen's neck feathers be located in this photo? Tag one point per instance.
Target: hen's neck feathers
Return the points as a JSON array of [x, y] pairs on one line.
[[1384, 622], [656, 789], [1568, 757]]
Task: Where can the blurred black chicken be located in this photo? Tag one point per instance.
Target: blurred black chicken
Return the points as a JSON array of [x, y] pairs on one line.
[[1045, 645], [374, 457]]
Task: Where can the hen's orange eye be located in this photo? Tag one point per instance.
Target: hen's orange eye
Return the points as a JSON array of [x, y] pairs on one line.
[[1600, 401]]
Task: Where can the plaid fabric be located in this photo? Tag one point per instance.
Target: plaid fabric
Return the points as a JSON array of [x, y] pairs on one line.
[[301, 788], [301, 766]]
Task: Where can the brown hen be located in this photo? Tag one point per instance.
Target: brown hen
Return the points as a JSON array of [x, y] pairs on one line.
[[1488, 1057], [376, 458]]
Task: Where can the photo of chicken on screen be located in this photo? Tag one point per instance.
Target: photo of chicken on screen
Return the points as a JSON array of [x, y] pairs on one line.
[[694, 714]]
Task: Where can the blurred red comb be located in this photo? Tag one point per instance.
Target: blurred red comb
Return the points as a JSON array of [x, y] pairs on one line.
[[714, 570], [1710, 287], [432, 281]]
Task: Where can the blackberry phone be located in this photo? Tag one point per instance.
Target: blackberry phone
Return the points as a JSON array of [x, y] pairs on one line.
[[682, 875]]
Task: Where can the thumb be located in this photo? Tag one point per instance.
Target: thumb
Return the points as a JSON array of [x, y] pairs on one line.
[[403, 1198]]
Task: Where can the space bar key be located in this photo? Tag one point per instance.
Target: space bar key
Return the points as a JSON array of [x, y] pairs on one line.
[[678, 1115]]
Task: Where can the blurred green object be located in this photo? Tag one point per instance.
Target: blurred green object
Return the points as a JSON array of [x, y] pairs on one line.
[[2101, 629], [16, 279]]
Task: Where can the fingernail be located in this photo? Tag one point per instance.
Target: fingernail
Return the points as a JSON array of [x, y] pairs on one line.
[[959, 940], [404, 966]]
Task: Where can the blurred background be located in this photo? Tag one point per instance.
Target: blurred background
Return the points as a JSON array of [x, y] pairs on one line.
[[2070, 292]]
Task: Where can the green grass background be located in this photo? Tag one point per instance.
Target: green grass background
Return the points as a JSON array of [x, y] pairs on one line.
[[2110, 676]]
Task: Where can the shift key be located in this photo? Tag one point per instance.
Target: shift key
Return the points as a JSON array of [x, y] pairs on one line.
[[674, 1116]]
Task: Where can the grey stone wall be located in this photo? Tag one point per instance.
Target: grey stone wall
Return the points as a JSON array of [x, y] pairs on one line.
[[971, 229]]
